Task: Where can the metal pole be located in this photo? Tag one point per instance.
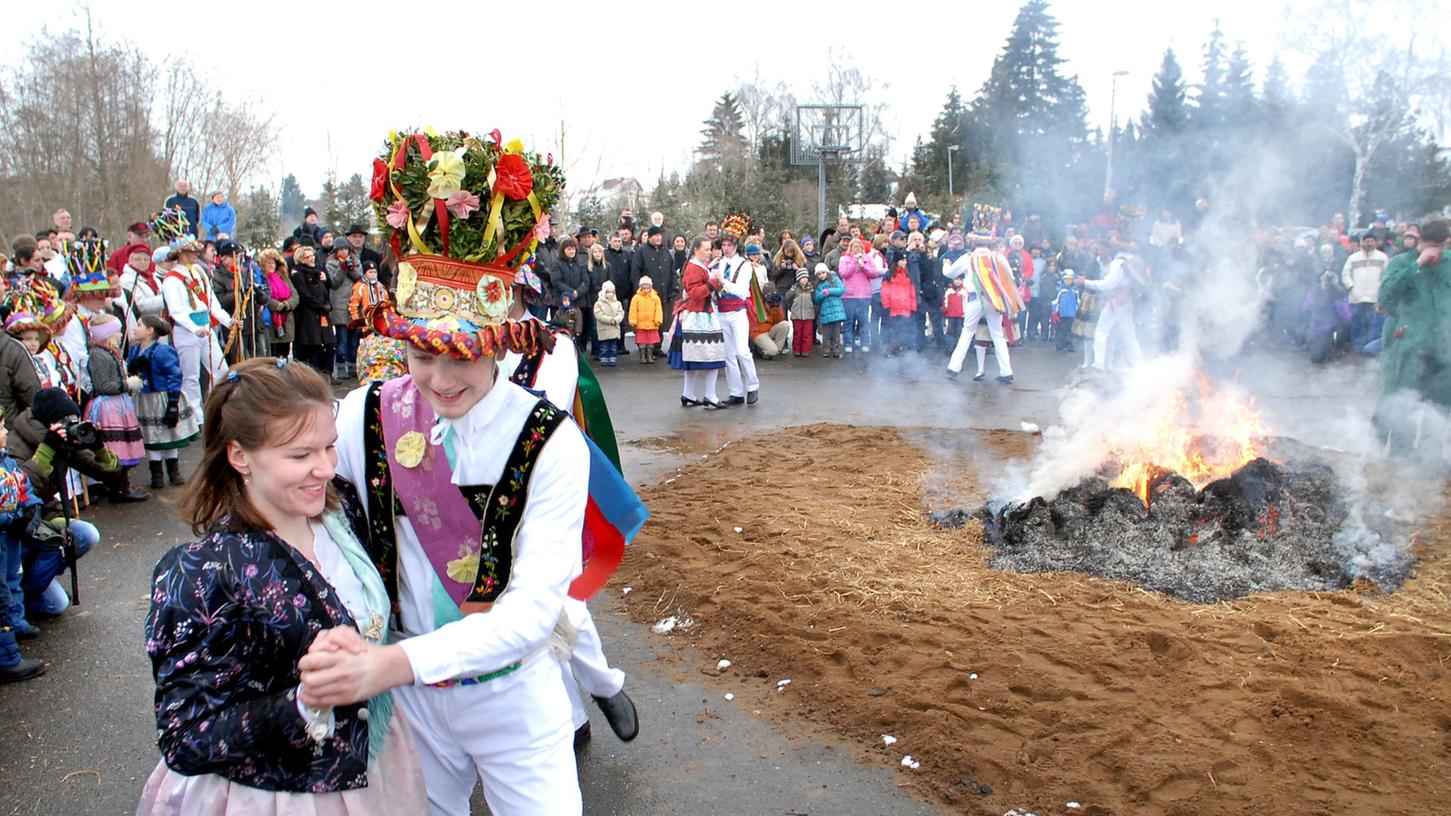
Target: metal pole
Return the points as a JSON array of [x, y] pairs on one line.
[[950, 149], [820, 194]]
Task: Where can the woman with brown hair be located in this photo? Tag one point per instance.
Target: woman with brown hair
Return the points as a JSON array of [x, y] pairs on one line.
[[281, 299], [789, 260], [233, 612], [314, 336]]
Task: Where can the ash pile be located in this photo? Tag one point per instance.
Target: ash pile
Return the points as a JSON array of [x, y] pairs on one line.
[[1266, 527]]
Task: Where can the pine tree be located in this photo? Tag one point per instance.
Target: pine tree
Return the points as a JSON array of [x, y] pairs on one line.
[[258, 226], [1276, 97], [929, 160], [326, 205], [1209, 105], [1168, 112], [353, 205], [1033, 115], [291, 201], [1241, 108], [723, 136]]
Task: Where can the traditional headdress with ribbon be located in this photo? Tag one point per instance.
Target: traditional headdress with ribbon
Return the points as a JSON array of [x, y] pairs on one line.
[[35, 307], [737, 224], [985, 221], [86, 265], [169, 224], [461, 212]]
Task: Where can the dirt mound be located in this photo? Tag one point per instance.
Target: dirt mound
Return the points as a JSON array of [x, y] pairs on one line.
[[1030, 691]]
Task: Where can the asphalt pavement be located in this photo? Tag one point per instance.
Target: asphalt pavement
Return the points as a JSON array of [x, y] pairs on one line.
[[81, 739]]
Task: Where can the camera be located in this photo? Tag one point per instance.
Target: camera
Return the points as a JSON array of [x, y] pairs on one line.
[[81, 434]]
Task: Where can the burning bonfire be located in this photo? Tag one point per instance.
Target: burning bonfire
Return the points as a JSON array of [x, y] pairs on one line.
[[1194, 508]]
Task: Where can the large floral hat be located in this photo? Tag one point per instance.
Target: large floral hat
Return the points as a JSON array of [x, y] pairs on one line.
[[35, 307], [461, 213], [737, 224], [985, 221], [86, 265]]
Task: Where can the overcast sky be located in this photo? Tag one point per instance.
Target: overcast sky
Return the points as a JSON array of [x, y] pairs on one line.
[[630, 84]]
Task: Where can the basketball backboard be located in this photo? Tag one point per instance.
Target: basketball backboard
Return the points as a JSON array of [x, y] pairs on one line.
[[827, 134]]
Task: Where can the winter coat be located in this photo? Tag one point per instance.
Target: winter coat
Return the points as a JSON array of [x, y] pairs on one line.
[[598, 274], [189, 206], [18, 378], [857, 276], [1362, 275], [899, 295], [218, 220], [159, 368], [929, 286], [921, 221], [646, 311], [569, 277], [954, 301], [620, 261], [697, 285], [784, 276], [108, 374], [365, 297], [27, 437], [774, 315], [340, 281], [828, 294], [657, 264], [1416, 356], [285, 331], [801, 305], [313, 306], [609, 314]]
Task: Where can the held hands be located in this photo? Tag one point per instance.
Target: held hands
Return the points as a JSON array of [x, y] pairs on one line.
[[341, 669]]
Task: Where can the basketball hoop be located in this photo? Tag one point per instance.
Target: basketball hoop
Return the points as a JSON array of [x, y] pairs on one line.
[[826, 135]]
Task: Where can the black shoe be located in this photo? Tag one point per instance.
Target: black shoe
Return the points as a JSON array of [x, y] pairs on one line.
[[30, 632], [173, 472], [158, 480], [951, 375], [1006, 379], [734, 400], [979, 377], [581, 736], [24, 670], [128, 496], [687, 402], [753, 397], [716, 406], [620, 712]]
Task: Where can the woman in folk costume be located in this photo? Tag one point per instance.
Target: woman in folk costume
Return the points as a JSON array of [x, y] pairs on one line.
[[697, 345], [475, 489], [111, 409], [281, 559], [33, 317], [196, 315], [563, 376], [91, 290], [991, 279]]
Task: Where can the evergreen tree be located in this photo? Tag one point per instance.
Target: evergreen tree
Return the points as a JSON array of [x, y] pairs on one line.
[[329, 213], [1209, 106], [1276, 98], [1032, 115], [258, 224], [291, 201], [353, 204], [1168, 112], [723, 136], [929, 160], [1241, 108]]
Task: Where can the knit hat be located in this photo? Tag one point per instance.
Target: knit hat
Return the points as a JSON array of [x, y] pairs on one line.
[[802, 273], [161, 255], [1068, 276], [51, 405], [821, 267], [645, 281], [654, 231], [911, 200], [807, 239]]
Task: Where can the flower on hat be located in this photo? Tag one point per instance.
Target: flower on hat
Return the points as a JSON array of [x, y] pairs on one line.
[[380, 179], [462, 203], [514, 180], [397, 216], [445, 173]]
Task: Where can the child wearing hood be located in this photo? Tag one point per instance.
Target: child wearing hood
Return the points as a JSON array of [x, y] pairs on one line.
[[830, 311], [801, 306], [609, 313], [168, 423], [111, 409], [646, 315]]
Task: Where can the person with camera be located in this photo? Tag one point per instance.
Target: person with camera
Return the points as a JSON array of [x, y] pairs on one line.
[[344, 271]]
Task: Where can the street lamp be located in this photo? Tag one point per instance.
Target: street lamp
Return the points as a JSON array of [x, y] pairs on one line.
[[1112, 97], [950, 149]]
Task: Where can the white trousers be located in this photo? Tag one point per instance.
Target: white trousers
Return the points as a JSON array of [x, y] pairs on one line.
[[1116, 323], [740, 369], [974, 311], [588, 668], [198, 354], [513, 733]]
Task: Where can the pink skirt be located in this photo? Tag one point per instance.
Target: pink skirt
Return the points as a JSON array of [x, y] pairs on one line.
[[647, 337], [395, 786], [115, 418]]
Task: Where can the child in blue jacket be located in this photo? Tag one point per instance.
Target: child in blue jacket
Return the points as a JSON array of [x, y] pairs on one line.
[[17, 502], [1065, 308], [168, 423], [830, 311]]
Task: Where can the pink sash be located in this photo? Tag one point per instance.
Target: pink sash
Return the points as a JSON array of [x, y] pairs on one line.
[[442, 519]]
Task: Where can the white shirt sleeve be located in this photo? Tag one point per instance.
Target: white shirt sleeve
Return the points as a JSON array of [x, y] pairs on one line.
[[558, 374], [735, 282], [546, 559], [178, 305]]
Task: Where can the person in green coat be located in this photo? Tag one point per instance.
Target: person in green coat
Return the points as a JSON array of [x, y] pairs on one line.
[[1416, 362]]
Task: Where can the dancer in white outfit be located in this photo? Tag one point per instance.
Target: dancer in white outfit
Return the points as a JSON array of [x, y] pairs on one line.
[[735, 299], [1116, 318], [196, 315]]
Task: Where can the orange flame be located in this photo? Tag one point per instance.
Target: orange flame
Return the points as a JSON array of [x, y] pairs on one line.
[[1221, 434]]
